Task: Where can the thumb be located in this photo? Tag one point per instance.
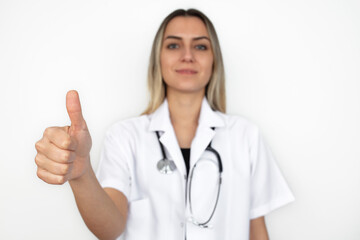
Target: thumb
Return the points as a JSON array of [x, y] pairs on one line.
[[73, 108]]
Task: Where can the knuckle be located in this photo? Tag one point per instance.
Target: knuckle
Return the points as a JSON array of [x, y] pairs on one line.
[[37, 159], [47, 132], [62, 169], [66, 143], [38, 174], [38, 145], [65, 169], [66, 156], [61, 180]]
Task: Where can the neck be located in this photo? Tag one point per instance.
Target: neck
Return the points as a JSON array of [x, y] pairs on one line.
[[184, 108]]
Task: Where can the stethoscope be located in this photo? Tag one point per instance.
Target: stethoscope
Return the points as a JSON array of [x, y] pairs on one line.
[[166, 166]]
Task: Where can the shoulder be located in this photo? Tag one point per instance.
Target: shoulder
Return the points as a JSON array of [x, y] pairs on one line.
[[239, 122], [129, 126], [240, 126]]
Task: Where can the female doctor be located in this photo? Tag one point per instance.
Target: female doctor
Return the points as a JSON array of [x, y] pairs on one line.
[[182, 170]]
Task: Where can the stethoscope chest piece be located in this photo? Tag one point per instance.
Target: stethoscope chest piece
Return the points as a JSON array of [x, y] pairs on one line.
[[166, 166]]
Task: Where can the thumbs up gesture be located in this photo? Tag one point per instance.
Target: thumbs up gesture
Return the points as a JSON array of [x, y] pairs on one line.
[[63, 153]]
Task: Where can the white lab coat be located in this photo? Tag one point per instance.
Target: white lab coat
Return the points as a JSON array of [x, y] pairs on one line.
[[252, 184]]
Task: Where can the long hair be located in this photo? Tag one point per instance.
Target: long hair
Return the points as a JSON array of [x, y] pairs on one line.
[[215, 89]]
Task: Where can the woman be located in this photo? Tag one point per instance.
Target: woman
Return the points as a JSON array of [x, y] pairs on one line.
[[138, 193]]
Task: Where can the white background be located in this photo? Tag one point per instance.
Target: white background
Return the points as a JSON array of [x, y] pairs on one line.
[[292, 67]]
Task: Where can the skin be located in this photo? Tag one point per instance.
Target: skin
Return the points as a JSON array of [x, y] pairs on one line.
[[63, 153], [186, 62], [258, 229], [186, 45]]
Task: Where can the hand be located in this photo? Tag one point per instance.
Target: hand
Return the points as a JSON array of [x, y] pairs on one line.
[[63, 153]]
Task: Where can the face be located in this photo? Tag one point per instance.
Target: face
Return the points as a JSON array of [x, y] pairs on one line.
[[186, 56]]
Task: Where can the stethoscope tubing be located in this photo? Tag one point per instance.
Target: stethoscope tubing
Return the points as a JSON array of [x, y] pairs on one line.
[[205, 224], [167, 166]]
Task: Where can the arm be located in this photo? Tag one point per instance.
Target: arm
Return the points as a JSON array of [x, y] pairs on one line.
[[258, 229], [104, 210], [63, 154]]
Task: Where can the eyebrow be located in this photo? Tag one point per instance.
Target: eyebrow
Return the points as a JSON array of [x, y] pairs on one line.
[[180, 38]]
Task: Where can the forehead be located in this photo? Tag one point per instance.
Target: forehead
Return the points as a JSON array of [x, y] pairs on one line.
[[183, 26]]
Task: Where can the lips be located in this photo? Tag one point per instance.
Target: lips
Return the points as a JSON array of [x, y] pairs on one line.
[[186, 71]]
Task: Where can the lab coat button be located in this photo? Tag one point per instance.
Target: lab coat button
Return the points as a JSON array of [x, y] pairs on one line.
[[182, 224]]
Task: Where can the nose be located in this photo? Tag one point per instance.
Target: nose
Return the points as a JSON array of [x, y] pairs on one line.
[[187, 55]]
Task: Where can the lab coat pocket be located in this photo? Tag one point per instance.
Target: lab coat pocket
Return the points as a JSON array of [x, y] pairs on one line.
[[140, 224]]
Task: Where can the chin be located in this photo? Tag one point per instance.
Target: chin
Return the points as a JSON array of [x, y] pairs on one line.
[[187, 90]]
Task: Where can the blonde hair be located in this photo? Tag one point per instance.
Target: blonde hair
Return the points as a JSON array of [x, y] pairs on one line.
[[215, 89]]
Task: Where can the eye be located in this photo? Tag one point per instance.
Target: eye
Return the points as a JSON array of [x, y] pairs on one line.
[[201, 47], [172, 46]]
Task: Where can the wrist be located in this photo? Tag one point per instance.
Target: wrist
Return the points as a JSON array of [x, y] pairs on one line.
[[84, 175]]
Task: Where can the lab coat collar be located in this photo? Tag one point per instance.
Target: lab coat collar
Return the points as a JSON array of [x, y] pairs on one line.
[[160, 121]]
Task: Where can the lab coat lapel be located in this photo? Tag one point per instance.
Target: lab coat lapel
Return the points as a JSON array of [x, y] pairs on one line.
[[204, 134], [203, 137], [160, 121], [174, 153]]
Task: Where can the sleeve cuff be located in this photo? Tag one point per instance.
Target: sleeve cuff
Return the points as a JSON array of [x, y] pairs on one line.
[[120, 187], [267, 208]]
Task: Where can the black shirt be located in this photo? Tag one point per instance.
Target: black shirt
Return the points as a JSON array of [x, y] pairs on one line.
[[186, 154]]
